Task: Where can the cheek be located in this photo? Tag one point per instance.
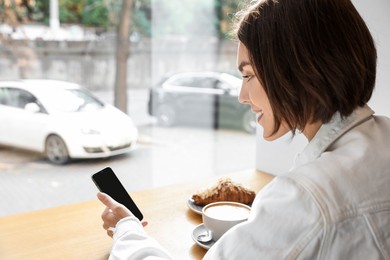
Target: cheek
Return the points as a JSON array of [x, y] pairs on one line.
[[255, 93]]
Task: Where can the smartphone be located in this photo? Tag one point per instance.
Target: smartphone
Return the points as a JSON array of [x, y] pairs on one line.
[[108, 182]]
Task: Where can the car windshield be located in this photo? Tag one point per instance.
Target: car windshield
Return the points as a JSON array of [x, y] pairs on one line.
[[70, 100]]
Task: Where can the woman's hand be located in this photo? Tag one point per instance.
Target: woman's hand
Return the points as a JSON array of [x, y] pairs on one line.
[[113, 212]]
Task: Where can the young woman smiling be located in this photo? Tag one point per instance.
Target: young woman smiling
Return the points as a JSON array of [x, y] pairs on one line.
[[307, 66]]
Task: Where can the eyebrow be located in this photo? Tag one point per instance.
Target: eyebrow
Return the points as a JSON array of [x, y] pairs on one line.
[[242, 65]]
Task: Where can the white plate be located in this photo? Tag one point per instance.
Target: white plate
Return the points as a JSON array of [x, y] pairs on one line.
[[198, 230], [195, 208]]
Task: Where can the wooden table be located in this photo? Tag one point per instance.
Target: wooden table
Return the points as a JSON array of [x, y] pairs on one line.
[[75, 231]]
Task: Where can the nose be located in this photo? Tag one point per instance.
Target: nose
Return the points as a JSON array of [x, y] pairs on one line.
[[243, 98]]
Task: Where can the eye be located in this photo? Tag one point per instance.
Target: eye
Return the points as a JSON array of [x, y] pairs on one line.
[[247, 77]]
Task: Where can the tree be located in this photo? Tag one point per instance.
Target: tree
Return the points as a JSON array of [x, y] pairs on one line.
[[13, 13], [122, 54]]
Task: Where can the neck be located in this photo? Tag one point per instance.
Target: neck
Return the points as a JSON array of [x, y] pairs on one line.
[[311, 130]]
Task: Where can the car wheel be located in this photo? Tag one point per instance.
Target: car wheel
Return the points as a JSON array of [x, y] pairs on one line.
[[56, 150], [165, 115], [249, 122]]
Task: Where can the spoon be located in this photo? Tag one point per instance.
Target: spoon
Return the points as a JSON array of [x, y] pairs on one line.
[[205, 237]]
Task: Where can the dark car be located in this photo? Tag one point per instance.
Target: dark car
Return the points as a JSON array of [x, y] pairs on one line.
[[201, 98]]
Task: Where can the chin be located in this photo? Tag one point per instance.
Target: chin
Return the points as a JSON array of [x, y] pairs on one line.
[[272, 137]]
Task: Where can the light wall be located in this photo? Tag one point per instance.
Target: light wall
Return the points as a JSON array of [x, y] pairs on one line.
[[277, 157]]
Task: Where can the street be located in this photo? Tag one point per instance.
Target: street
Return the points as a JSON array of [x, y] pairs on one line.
[[164, 156]]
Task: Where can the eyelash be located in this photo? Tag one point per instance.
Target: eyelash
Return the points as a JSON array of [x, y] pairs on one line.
[[248, 78]]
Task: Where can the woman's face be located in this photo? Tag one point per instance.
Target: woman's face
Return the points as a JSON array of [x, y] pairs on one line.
[[253, 94]]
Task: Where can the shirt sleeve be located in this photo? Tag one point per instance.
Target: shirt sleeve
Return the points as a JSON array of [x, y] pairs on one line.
[[284, 221], [130, 241]]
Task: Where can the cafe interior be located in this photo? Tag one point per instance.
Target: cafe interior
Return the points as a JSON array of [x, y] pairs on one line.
[[73, 230]]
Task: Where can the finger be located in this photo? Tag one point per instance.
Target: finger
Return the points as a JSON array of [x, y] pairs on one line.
[[106, 226], [105, 216], [107, 200], [108, 218], [106, 211], [108, 223], [110, 231]]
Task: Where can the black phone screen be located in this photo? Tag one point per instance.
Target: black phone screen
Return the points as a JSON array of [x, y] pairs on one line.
[[108, 182]]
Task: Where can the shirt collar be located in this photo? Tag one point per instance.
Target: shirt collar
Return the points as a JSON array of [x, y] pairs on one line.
[[331, 131]]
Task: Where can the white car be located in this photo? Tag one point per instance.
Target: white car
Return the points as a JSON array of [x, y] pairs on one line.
[[62, 120]]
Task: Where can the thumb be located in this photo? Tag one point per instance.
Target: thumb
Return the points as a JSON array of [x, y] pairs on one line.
[[107, 200]]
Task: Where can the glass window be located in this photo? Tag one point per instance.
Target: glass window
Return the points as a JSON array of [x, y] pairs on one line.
[[19, 98], [195, 82], [25, 98], [181, 94], [4, 96], [70, 100]]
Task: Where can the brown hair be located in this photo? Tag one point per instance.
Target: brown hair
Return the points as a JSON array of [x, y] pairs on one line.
[[313, 57]]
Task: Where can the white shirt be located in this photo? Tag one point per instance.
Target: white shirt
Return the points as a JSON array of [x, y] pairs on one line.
[[333, 204]]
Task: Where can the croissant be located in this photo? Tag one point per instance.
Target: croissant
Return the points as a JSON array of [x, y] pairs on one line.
[[224, 190]]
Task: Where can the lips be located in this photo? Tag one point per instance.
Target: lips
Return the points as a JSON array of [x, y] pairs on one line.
[[259, 115]]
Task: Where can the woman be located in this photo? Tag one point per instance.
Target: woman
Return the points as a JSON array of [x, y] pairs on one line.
[[307, 66]]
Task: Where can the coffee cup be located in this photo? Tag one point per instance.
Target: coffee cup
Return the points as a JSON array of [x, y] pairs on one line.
[[219, 217]]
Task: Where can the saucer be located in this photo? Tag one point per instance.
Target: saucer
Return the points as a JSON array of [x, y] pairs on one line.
[[201, 229], [195, 208]]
